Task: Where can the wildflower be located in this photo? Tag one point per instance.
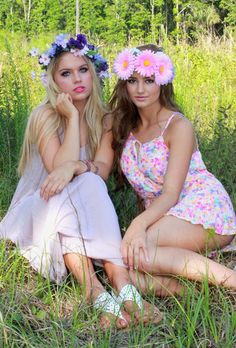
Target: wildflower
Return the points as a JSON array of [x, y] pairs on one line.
[[34, 52]]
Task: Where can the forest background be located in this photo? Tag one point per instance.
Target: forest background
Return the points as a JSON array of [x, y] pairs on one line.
[[200, 37]]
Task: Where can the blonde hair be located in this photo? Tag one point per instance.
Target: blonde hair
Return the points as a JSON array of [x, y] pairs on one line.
[[44, 121]]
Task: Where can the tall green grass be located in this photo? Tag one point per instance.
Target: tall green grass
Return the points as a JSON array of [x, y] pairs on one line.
[[35, 312]]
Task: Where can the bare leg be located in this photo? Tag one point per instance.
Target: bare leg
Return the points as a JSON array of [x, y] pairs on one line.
[[188, 264], [82, 268], [174, 245], [161, 286], [119, 277], [178, 233]]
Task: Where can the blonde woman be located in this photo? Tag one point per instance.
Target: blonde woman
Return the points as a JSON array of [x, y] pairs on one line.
[[61, 216]]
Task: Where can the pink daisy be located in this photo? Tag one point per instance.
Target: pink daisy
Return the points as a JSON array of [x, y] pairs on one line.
[[164, 72], [124, 64], [145, 63]]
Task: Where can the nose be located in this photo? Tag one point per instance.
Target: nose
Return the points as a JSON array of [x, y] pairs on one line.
[[77, 77], [140, 87]]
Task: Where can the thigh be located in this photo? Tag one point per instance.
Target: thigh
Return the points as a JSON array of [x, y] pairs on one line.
[[175, 232]]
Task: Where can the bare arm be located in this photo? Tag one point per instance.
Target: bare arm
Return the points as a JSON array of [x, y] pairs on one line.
[[104, 155], [53, 152], [63, 174], [181, 142]]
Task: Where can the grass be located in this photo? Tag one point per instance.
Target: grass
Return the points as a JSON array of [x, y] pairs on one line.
[[37, 313]]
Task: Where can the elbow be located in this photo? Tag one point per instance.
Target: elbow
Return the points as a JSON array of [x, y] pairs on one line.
[[104, 176]]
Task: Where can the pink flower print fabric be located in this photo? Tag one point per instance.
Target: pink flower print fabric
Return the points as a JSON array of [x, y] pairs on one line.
[[203, 199]]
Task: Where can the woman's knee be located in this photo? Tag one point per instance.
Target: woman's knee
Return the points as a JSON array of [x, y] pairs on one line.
[[92, 184], [90, 178]]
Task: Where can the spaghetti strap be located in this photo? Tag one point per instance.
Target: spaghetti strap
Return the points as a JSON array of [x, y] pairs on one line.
[[169, 121]]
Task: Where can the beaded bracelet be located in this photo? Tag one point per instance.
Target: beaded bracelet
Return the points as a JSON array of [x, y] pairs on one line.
[[88, 165], [95, 167]]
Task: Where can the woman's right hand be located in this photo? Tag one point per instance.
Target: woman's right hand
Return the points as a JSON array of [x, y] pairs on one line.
[[65, 106], [58, 179], [134, 243]]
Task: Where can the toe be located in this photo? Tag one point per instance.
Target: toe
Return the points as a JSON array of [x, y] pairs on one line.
[[151, 313]]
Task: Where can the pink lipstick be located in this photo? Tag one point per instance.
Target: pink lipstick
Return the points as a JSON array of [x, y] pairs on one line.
[[79, 89]]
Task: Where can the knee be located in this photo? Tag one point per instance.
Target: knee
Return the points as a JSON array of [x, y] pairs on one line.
[[147, 266], [155, 263], [93, 182]]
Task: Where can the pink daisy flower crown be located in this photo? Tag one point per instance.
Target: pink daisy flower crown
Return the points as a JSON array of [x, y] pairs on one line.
[[146, 63]]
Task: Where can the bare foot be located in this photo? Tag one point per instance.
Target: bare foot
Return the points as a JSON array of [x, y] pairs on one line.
[[147, 314], [136, 307], [111, 312], [108, 320]]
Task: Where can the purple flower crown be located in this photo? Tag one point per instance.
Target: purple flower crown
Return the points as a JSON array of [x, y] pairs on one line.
[[78, 46], [146, 63]]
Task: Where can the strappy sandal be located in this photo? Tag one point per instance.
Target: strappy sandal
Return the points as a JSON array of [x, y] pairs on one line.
[[106, 303], [130, 293]]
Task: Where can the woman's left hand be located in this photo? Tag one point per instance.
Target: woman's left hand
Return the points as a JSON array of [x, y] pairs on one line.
[[133, 243], [57, 180]]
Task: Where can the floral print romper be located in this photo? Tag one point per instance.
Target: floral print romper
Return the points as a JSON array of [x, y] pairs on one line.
[[203, 200]]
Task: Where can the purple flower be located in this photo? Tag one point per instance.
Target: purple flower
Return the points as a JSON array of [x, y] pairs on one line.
[[77, 46], [44, 59], [52, 50], [61, 40], [81, 39], [91, 47]]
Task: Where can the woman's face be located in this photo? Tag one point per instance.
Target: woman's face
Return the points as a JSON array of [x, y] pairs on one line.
[[72, 76], [143, 91]]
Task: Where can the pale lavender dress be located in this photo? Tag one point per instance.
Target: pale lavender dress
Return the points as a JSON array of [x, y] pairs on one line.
[[80, 219]]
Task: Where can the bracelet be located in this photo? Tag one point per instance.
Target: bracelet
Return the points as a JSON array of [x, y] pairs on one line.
[[95, 167], [88, 165]]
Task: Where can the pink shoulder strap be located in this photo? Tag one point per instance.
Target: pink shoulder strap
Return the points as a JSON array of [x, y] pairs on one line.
[[169, 121]]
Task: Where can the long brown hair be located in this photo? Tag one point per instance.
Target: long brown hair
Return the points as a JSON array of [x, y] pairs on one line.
[[125, 113]]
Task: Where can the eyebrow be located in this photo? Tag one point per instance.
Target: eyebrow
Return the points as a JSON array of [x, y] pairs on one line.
[[81, 66]]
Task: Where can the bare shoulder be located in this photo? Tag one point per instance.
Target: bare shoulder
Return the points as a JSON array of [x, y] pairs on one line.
[[181, 131], [181, 125], [107, 122]]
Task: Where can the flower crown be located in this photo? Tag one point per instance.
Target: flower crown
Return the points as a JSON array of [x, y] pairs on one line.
[[78, 46], [146, 63]]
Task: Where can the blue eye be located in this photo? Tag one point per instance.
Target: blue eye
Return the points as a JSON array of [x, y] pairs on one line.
[[83, 69], [65, 73]]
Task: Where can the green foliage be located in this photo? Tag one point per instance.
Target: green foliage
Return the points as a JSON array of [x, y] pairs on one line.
[[120, 20], [229, 6], [37, 313]]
